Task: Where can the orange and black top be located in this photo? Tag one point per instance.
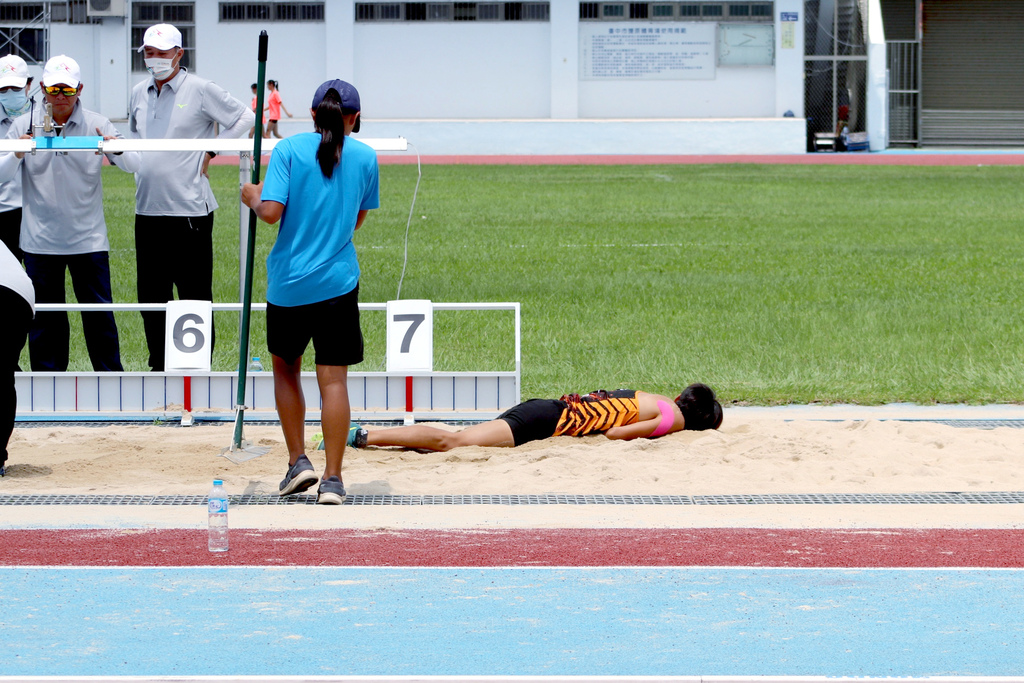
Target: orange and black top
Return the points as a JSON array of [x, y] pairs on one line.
[[597, 412]]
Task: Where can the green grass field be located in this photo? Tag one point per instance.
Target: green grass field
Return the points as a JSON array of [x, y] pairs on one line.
[[774, 284]]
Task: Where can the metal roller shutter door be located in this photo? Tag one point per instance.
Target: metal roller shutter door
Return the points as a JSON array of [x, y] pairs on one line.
[[973, 72]]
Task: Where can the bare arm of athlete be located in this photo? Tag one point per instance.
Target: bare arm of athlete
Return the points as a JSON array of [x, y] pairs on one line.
[[267, 211], [637, 430], [661, 415]]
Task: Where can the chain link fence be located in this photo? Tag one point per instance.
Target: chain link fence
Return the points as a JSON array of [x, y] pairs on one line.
[[835, 70]]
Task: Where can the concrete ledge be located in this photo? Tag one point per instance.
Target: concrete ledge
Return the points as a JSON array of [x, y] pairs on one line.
[[594, 136]]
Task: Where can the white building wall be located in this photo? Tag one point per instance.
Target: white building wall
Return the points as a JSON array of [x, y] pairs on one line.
[[464, 70], [735, 92], [434, 78]]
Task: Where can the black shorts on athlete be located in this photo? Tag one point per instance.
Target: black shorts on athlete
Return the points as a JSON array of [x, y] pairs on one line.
[[534, 419], [332, 325]]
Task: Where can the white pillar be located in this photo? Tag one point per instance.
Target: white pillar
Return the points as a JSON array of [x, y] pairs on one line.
[[565, 38], [789, 57], [339, 41], [877, 80]]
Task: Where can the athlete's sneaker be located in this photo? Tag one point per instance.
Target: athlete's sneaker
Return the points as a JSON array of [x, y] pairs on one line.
[[356, 436], [300, 477], [331, 492]]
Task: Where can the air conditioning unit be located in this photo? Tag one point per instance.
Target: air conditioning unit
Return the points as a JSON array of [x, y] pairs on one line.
[[105, 8]]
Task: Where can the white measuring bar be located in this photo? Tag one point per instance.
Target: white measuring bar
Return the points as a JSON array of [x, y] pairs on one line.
[[237, 145]]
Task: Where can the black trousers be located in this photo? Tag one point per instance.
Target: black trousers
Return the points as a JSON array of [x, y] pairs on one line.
[[18, 316], [49, 336], [172, 252], [10, 231]]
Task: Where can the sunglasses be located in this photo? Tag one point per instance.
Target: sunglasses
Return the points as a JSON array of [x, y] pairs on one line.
[[60, 90]]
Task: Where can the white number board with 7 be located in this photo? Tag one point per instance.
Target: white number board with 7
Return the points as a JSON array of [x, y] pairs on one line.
[[410, 335]]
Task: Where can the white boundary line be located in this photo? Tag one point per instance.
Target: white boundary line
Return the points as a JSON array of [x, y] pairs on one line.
[[512, 679]]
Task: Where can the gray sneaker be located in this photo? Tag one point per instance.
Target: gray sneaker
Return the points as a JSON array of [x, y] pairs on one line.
[[331, 492], [300, 477]]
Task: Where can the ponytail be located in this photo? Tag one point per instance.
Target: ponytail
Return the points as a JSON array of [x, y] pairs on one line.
[[330, 124]]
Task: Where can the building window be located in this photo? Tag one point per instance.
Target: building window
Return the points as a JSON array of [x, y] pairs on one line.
[[181, 14], [22, 11], [678, 11], [453, 11], [439, 11], [72, 12], [488, 11], [271, 11], [27, 43]]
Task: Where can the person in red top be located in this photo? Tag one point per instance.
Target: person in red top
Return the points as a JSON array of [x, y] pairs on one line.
[[274, 107], [252, 105]]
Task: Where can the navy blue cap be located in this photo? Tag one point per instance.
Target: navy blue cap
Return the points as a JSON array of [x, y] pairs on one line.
[[348, 92]]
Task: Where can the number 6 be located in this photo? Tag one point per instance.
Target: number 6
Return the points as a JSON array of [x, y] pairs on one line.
[[198, 339]]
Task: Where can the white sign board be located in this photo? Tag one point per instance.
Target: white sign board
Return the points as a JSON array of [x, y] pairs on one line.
[[187, 335], [410, 335], [647, 51]]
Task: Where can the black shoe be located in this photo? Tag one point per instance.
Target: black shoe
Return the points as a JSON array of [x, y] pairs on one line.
[[331, 492], [300, 477]]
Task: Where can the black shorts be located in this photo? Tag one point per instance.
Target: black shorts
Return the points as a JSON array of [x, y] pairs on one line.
[[333, 325], [534, 419]]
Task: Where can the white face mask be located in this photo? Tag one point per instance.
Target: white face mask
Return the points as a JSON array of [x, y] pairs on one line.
[[14, 102], [159, 67]]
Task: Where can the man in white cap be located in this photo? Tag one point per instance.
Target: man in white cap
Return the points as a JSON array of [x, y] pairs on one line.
[[14, 86], [173, 201], [63, 228]]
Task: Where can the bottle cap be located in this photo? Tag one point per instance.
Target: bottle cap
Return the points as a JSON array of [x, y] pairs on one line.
[[218, 482]]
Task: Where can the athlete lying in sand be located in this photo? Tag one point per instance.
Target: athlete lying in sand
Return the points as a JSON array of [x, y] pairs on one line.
[[622, 414]]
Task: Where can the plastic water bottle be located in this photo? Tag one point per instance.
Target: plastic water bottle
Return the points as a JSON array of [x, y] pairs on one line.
[[217, 501], [255, 365]]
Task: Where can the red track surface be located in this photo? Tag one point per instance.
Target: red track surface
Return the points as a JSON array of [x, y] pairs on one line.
[[522, 547], [910, 159]]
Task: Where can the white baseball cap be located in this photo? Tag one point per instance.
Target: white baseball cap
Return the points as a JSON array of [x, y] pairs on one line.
[[13, 72], [62, 70], [161, 37]]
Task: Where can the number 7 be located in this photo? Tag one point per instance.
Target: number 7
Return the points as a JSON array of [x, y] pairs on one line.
[[416, 319]]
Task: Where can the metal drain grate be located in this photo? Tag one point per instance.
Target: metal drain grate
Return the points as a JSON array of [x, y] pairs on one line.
[[976, 424], [938, 498]]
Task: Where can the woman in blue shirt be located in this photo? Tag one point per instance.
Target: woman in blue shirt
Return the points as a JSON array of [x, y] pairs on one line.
[[319, 186]]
